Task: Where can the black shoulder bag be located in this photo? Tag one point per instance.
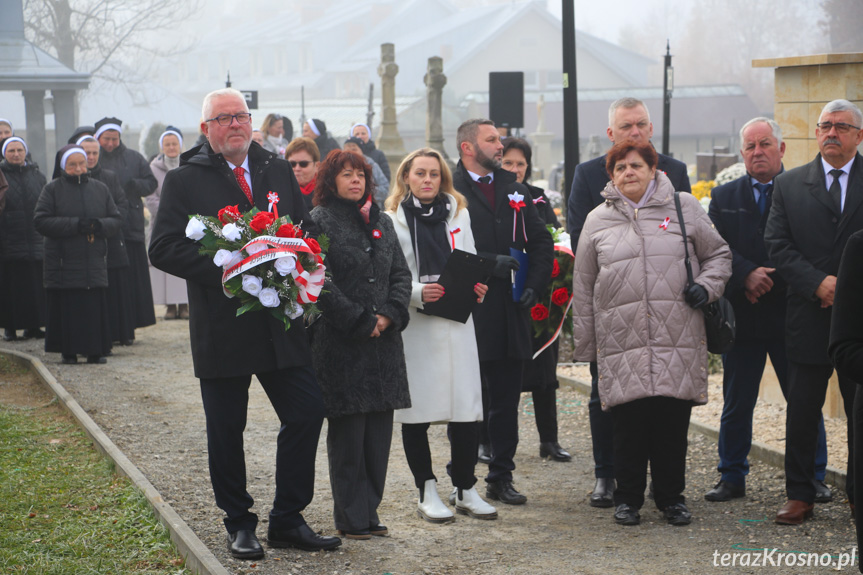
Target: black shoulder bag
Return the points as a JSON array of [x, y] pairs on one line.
[[719, 315]]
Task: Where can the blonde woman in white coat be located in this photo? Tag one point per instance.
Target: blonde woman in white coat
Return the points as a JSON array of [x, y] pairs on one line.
[[431, 219]]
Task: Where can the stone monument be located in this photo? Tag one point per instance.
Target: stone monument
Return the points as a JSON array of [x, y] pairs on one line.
[[435, 80], [389, 140], [541, 140]]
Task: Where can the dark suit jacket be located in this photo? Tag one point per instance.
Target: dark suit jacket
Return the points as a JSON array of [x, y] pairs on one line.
[[738, 220], [846, 331], [224, 345], [590, 179], [805, 237], [503, 328]]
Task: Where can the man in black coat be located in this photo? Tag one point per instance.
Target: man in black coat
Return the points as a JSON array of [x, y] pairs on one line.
[[816, 208], [502, 217], [628, 119], [227, 349], [739, 210]]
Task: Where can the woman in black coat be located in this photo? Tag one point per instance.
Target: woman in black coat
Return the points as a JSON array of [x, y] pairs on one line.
[[317, 131], [364, 133], [22, 296], [76, 214], [540, 376], [357, 344]]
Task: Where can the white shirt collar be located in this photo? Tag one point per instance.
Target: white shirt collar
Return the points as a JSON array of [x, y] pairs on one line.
[[476, 177]]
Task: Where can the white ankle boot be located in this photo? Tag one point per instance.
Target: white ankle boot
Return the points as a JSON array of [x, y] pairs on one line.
[[468, 502], [430, 507]]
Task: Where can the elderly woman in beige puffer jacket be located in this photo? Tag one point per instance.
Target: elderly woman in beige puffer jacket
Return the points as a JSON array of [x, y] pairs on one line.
[[636, 317]]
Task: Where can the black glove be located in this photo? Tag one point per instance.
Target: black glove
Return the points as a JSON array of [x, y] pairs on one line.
[[696, 296], [85, 226], [528, 298], [97, 226], [504, 265]]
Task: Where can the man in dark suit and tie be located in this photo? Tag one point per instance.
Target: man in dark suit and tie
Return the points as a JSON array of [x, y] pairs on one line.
[[228, 349], [816, 208], [739, 209], [502, 216], [628, 119]]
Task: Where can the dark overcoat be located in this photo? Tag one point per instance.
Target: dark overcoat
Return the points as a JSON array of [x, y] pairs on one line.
[[224, 345], [503, 328], [137, 181], [359, 373], [740, 223], [846, 331], [590, 179], [19, 239], [805, 237], [73, 260], [118, 257]]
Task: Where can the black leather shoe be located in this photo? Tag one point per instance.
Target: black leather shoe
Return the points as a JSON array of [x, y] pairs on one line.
[[69, 359], [35, 333], [725, 491], [553, 450], [626, 515], [504, 492], [10, 335], [96, 359], [244, 544], [603, 492], [822, 492], [677, 514], [301, 537], [484, 453]]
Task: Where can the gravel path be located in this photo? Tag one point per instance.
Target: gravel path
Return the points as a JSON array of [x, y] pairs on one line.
[[147, 400]]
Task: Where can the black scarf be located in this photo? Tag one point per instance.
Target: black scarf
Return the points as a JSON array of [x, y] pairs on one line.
[[429, 235]]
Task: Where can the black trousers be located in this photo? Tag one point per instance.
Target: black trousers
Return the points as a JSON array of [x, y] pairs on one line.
[[358, 449], [296, 397], [651, 429], [545, 414], [463, 440], [501, 387], [601, 430], [807, 388]]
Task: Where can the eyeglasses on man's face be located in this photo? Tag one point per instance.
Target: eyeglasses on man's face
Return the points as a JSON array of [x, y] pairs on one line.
[[228, 119], [300, 163], [841, 127]]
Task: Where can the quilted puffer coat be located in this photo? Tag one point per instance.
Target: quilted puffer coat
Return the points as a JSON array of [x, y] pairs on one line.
[[629, 312]]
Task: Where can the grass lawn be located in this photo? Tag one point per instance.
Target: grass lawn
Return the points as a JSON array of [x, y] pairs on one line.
[[62, 508]]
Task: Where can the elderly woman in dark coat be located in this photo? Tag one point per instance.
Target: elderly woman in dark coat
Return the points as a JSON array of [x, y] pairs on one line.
[[357, 344], [76, 214], [22, 296], [317, 131]]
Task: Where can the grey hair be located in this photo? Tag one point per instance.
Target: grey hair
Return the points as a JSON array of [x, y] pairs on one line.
[[843, 106], [777, 131], [207, 107], [469, 130], [626, 103]]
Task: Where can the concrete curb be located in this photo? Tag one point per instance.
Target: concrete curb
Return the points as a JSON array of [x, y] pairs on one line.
[[198, 556], [760, 451]]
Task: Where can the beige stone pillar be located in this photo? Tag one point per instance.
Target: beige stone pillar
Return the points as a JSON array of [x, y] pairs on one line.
[[389, 141], [803, 85]]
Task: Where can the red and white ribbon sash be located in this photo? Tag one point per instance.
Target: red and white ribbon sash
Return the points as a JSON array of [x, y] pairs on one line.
[[274, 248]]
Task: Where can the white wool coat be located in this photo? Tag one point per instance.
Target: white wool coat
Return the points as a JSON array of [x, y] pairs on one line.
[[441, 355]]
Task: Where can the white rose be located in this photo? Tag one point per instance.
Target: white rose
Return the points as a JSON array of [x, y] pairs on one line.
[[222, 258], [231, 232], [236, 257], [269, 297], [252, 284], [286, 265], [255, 248], [293, 310], [195, 229]]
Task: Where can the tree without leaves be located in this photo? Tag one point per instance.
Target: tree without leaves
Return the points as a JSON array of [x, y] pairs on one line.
[[107, 38]]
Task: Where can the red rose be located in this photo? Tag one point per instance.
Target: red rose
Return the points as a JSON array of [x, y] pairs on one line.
[[229, 214], [559, 296], [555, 269], [286, 231], [313, 245], [539, 312], [262, 221]]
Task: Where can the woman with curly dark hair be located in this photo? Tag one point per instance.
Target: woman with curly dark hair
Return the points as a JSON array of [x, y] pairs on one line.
[[357, 343]]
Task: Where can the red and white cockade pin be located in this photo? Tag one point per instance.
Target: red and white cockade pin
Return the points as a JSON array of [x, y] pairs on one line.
[[664, 225], [273, 198], [376, 234]]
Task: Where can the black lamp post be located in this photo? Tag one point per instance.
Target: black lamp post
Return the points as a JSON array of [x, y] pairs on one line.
[[570, 96], [667, 87]]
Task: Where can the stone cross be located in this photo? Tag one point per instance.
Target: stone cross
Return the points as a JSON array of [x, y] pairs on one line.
[[435, 80], [390, 142]]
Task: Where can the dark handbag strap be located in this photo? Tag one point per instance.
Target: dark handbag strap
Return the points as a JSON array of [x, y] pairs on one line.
[[685, 243]]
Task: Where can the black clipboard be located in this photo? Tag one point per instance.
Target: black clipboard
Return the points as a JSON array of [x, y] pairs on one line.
[[463, 270]]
